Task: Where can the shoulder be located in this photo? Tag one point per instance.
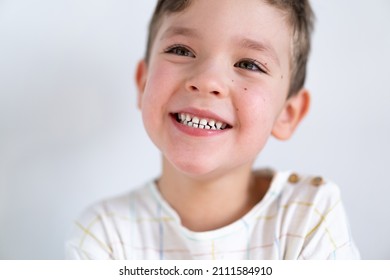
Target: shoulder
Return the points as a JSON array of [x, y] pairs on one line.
[[306, 200], [114, 206], [103, 226], [312, 189], [311, 208]]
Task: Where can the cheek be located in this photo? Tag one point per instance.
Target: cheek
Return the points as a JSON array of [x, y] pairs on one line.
[[255, 110], [157, 90], [154, 100]]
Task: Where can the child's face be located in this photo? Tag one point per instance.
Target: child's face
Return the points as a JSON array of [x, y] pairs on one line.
[[224, 61]]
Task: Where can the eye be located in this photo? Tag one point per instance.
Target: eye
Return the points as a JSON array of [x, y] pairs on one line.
[[180, 51], [250, 64]]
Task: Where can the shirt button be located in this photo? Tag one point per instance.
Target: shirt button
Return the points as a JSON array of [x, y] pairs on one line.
[[294, 178], [317, 181]]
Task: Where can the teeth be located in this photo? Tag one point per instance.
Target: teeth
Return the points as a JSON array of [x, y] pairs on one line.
[[203, 121], [197, 122]]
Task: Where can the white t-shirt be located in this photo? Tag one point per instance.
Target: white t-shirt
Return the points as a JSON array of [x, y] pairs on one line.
[[300, 217]]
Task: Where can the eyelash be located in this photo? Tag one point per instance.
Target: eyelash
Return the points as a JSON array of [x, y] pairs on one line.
[[246, 64], [255, 65], [176, 48]]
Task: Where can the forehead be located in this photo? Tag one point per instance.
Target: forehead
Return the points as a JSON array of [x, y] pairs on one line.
[[250, 23]]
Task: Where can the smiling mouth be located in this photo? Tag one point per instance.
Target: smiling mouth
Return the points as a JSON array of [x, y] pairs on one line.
[[199, 122]]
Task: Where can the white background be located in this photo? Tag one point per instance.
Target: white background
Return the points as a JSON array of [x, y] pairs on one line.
[[70, 132]]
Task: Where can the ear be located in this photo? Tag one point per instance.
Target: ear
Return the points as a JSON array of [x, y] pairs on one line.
[[140, 79], [294, 110]]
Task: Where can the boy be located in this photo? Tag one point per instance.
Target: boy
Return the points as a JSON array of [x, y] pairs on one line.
[[219, 78]]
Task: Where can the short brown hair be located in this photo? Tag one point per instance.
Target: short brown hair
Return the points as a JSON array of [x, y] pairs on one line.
[[299, 14]]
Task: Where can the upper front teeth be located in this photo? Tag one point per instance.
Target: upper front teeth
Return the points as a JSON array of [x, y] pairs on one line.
[[197, 122]]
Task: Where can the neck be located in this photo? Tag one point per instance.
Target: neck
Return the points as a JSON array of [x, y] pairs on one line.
[[211, 201]]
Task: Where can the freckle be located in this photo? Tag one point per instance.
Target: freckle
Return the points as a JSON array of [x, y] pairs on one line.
[[281, 77], [232, 81]]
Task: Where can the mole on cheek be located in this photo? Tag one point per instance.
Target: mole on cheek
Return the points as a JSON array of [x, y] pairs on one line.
[[245, 88], [281, 77]]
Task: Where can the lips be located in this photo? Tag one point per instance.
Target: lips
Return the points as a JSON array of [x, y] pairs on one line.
[[199, 122]]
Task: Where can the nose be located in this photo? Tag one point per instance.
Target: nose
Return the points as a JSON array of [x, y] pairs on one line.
[[208, 78]]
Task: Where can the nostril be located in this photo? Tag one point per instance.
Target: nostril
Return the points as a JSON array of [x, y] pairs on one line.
[[193, 88]]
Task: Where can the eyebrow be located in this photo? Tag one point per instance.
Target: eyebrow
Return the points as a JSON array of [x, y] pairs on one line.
[[177, 30], [259, 46]]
